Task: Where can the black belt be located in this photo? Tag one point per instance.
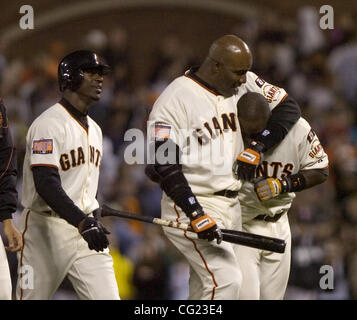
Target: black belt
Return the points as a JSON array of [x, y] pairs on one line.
[[268, 218], [227, 193]]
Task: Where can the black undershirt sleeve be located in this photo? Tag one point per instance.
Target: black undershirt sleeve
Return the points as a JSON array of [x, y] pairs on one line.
[[8, 169], [8, 178], [283, 117], [48, 186]]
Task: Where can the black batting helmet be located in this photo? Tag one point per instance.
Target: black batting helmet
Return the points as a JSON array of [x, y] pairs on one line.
[[71, 67]]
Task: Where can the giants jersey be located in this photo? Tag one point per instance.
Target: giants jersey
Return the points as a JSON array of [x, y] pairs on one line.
[[204, 125], [300, 150], [58, 140]]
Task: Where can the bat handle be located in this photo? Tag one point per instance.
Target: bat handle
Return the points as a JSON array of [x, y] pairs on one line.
[[108, 212], [173, 224]]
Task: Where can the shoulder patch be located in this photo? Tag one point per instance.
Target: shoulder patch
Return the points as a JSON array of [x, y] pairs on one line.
[[311, 135], [316, 150], [42, 146], [271, 93], [161, 132], [259, 82]]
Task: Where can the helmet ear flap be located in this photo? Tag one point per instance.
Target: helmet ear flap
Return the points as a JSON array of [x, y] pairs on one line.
[[65, 80], [70, 79], [75, 80]]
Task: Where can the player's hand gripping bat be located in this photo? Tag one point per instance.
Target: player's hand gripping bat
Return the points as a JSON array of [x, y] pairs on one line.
[[233, 236]]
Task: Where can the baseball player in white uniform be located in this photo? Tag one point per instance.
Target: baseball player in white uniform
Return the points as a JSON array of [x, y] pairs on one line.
[[297, 163], [196, 138], [61, 170]]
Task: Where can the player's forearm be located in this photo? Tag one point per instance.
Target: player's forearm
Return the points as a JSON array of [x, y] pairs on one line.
[[303, 180], [283, 117], [48, 186], [272, 187], [314, 177], [171, 178], [175, 185], [8, 196]]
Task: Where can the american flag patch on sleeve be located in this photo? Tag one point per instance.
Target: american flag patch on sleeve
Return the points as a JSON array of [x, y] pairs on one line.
[[42, 146], [161, 132]]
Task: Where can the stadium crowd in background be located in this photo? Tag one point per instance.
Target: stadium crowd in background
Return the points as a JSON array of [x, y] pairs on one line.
[[317, 68]]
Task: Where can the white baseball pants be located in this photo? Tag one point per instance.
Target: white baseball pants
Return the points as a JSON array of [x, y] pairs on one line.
[[5, 278], [214, 269], [265, 273], [54, 249]]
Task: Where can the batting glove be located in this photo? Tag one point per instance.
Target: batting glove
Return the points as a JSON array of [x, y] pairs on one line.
[[94, 233], [247, 161], [97, 214], [270, 188], [205, 226]]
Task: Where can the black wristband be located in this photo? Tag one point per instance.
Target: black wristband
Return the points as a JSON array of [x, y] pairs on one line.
[[257, 146], [4, 215], [196, 214], [293, 183]]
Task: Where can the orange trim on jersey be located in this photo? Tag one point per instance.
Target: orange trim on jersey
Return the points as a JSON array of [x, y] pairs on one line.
[[22, 251], [199, 252], [43, 165], [283, 98], [75, 118], [203, 86]]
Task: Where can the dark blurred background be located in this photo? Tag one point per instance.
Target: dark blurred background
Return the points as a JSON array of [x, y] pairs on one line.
[[150, 42]]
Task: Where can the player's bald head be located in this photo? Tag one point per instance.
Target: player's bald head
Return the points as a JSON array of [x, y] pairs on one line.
[[253, 113], [226, 65], [230, 49]]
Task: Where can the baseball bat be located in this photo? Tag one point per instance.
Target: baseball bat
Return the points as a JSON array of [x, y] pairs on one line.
[[233, 236]]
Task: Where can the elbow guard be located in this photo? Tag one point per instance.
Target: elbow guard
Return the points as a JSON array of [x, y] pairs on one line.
[[168, 172]]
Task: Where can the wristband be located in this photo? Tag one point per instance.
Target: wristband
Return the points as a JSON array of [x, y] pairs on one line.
[[257, 146], [293, 183], [195, 214]]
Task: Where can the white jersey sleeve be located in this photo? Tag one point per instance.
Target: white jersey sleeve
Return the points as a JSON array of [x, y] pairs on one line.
[[311, 152], [273, 94], [168, 117], [45, 139]]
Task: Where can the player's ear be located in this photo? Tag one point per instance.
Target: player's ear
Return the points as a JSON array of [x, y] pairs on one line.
[[216, 66]]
